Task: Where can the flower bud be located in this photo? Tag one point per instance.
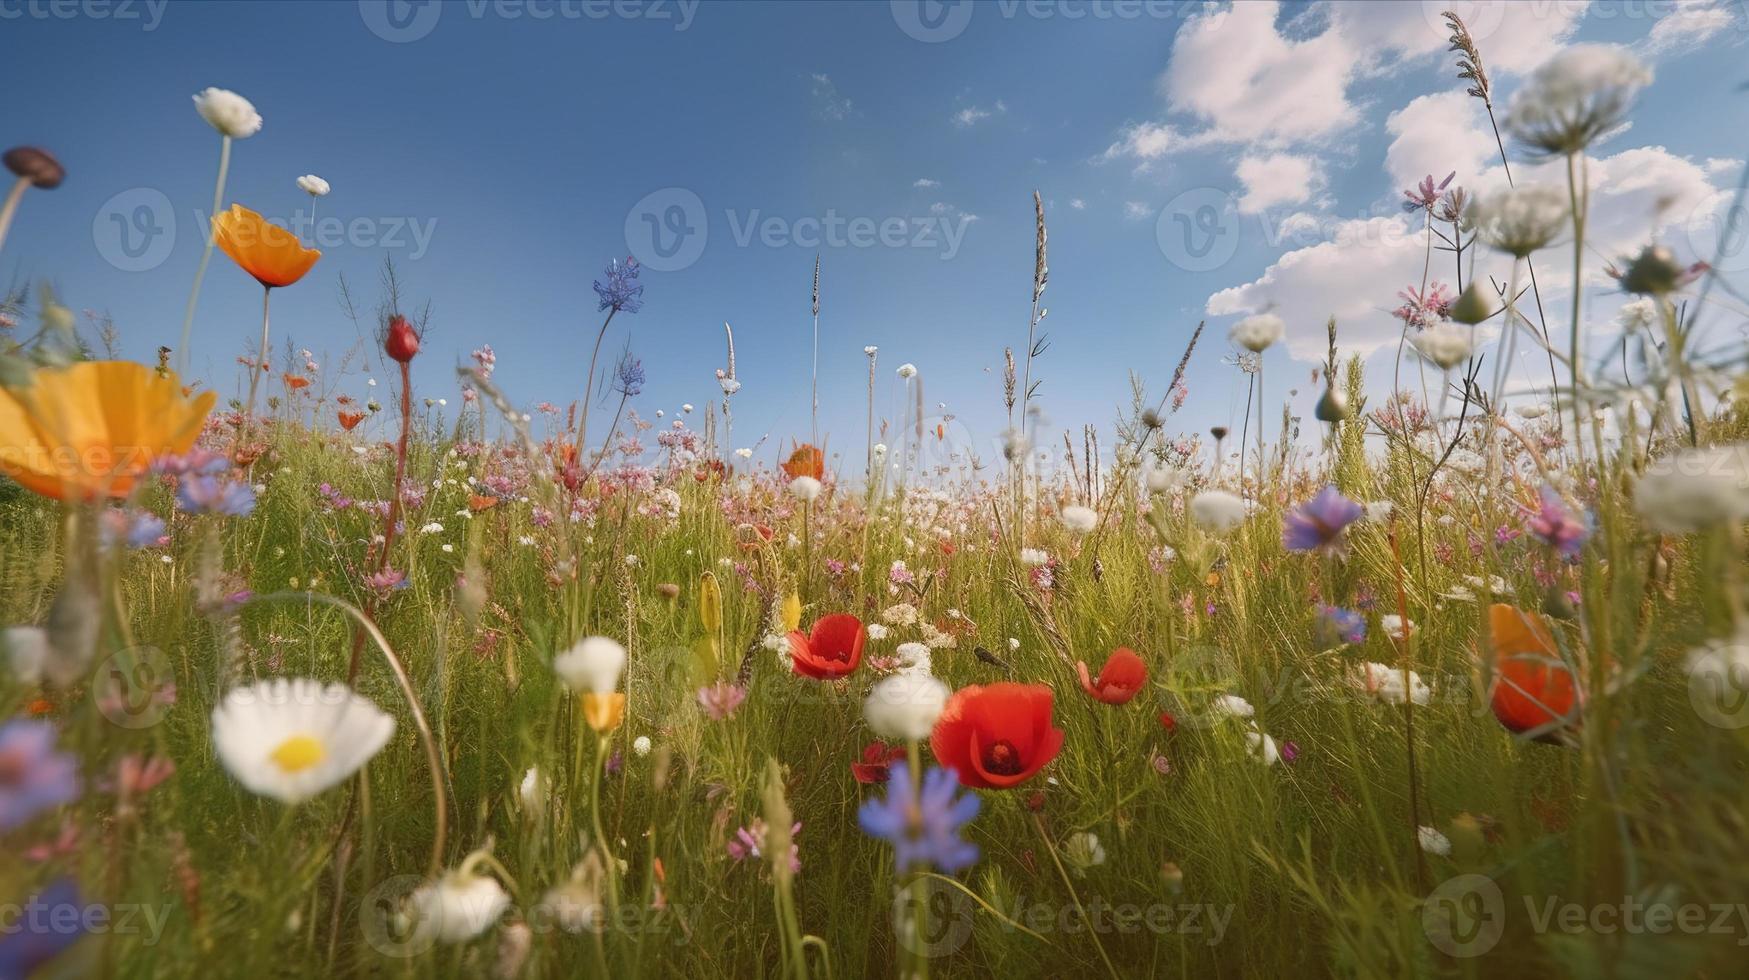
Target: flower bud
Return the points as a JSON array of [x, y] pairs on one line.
[[403, 341], [36, 165], [1332, 407], [1472, 306], [1654, 271]]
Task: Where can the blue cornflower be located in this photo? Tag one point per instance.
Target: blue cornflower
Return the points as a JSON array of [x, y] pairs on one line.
[[211, 495], [622, 293], [629, 376], [33, 776], [924, 830], [1341, 625], [135, 528], [1318, 523], [43, 931]]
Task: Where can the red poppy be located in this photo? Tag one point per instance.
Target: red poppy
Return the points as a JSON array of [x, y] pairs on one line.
[[1119, 680], [1532, 688], [1168, 722], [833, 649], [350, 420], [877, 758], [805, 461], [401, 341], [997, 735], [712, 469], [296, 381]]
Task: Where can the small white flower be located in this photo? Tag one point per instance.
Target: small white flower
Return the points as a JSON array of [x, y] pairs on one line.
[[880, 449], [1386, 683], [228, 112], [592, 666], [1013, 643], [641, 745], [1079, 519], [687, 408], [1395, 626], [432, 528], [1532, 412], [1163, 479], [905, 705], [1231, 706], [526, 540], [744, 453], [876, 631], [870, 350], [1694, 489], [1262, 748], [313, 185], [913, 657], [1379, 511], [632, 561], [1217, 510], [805, 487], [1445, 344], [1257, 333], [290, 739], [533, 790], [907, 370], [448, 549], [1520, 220], [1034, 557], [458, 906], [1433, 842], [1083, 851], [27, 650]]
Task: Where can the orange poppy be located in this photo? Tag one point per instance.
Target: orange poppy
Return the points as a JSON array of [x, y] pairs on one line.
[[832, 649], [1533, 689], [264, 250], [996, 736], [296, 382], [479, 502], [350, 420], [1119, 680], [91, 429], [806, 460]]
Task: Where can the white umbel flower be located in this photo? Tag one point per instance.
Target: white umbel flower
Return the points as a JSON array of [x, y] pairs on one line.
[[1258, 332], [228, 112], [1379, 511], [1520, 220], [805, 488], [290, 739], [1262, 748], [907, 370], [1033, 557], [458, 906], [313, 185], [533, 790], [592, 666], [1576, 96], [1445, 344], [914, 658], [1163, 479], [27, 650], [1079, 519], [1217, 510], [1395, 626], [641, 745], [905, 705], [1386, 683], [1695, 489], [1231, 706]]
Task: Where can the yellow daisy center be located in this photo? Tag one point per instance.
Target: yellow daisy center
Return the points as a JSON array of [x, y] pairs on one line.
[[298, 753]]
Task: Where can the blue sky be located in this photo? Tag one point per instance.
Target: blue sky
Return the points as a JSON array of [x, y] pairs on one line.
[[500, 156]]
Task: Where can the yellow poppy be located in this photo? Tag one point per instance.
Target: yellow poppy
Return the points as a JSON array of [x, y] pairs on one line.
[[264, 250], [89, 430], [604, 712]]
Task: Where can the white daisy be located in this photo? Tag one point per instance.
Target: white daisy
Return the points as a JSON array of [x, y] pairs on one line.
[[293, 738], [228, 112], [905, 705], [313, 185], [458, 906], [592, 666]]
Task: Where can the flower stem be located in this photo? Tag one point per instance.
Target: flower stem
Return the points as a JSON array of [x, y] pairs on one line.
[[1051, 849], [10, 208], [205, 256]]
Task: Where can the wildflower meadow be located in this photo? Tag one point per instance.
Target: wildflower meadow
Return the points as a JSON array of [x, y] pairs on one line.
[[343, 664]]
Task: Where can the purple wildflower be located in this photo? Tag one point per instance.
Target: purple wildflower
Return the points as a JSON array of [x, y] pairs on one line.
[[622, 293], [720, 700], [1557, 527], [1425, 195], [924, 828], [1318, 523], [749, 842], [195, 461], [135, 528], [1341, 625], [44, 930], [629, 376], [1289, 752], [33, 776], [202, 494]]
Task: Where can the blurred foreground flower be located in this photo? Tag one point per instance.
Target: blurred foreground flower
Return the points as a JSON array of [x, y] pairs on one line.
[[923, 823], [592, 670], [33, 776], [1534, 691], [1318, 523], [90, 429]]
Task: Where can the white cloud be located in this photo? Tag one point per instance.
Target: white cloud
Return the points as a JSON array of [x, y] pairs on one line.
[[1513, 36], [1688, 26], [1277, 178], [972, 115], [828, 104], [1144, 142], [1137, 210], [1247, 82], [1439, 134], [926, 183], [1077, 204]]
